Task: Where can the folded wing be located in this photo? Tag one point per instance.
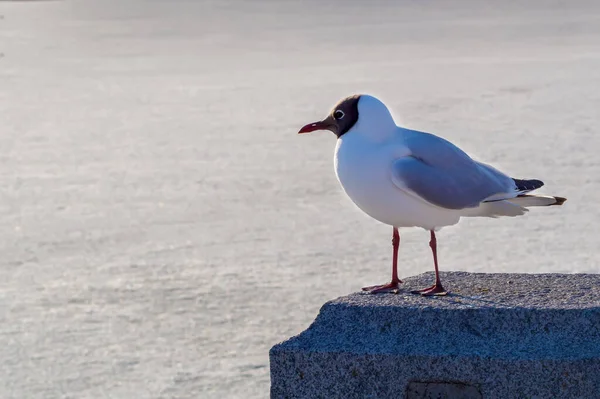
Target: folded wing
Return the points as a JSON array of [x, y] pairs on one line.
[[442, 174]]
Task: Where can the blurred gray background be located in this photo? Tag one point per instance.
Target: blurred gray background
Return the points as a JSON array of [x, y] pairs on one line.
[[162, 223]]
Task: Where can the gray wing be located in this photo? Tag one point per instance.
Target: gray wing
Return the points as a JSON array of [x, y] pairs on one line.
[[442, 174]]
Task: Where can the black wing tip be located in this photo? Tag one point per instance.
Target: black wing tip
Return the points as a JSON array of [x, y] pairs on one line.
[[528, 184]]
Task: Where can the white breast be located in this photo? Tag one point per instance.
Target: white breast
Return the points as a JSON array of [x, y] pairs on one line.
[[363, 168]]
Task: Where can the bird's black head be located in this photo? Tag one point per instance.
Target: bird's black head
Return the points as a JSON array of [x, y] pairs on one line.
[[341, 118]]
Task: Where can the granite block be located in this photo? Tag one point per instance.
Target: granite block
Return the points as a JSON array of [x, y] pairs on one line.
[[495, 335]]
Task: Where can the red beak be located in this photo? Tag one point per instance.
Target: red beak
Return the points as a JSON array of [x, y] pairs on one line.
[[326, 124], [311, 127]]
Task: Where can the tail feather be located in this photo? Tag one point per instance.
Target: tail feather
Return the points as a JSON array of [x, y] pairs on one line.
[[515, 206], [559, 200], [495, 209], [527, 200], [521, 197]]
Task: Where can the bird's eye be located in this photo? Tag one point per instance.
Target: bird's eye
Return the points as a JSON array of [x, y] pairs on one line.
[[338, 114]]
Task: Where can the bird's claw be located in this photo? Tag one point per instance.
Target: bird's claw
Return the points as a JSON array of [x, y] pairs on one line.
[[434, 290], [393, 287]]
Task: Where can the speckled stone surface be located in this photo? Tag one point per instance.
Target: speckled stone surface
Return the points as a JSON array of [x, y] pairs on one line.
[[505, 335]]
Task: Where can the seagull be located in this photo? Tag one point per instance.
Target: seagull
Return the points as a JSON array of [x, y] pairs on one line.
[[407, 178]]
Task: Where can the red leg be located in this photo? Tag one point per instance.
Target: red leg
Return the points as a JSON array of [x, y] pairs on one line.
[[393, 285], [437, 288]]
